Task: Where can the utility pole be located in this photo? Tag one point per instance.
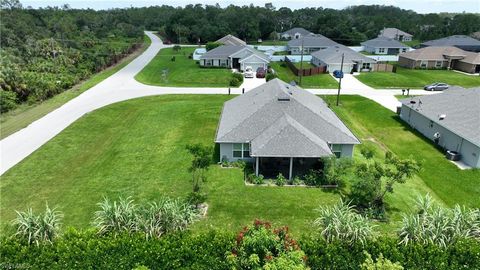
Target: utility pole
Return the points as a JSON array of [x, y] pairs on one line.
[[301, 66], [340, 79]]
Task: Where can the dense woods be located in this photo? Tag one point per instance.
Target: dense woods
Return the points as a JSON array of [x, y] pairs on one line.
[[45, 51]]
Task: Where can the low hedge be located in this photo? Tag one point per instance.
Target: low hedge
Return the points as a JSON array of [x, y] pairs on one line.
[[208, 250]]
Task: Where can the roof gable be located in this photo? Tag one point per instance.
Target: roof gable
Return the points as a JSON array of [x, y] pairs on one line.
[[455, 40], [316, 40], [435, 53], [333, 55], [254, 57], [383, 42], [231, 40]]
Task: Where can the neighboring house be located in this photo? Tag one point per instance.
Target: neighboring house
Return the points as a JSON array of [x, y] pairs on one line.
[[384, 45], [234, 56], [231, 40], [441, 57], [331, 58], [460, 41], [310, 44], [451, 119], [295, 33], [198, 53], [395, 34], [281, 129]]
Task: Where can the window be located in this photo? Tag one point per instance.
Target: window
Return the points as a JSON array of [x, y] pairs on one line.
[[237, 150], [241, 150], [365, 65], [223, 62], [208, 62], [404, 49], [423, 64], [336, 149], [381, 50], [438, 64]]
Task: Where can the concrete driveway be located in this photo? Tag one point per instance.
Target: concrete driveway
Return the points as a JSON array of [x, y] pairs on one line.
[[122, 86]]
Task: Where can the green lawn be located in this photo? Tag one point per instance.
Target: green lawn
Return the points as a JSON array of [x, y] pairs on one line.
[[416, 78], [25, 114], [136, 148], [304, 64], [182, 72], [324, 81], [412, 43]]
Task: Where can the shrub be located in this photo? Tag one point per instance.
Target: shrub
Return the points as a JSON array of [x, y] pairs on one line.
[[381, 263], [177, 48], [270, 76], [237, 79], [37, 228], [234, 82], [280, 180], [260, 247], [367, 152], [341, 223], [297, 181], [8, 101], [212, 45], [196, 198]]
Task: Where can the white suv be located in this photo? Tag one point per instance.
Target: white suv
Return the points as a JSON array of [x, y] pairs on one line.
[[249, 72]]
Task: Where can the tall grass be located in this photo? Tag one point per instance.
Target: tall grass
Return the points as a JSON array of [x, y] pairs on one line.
[[37, 228]]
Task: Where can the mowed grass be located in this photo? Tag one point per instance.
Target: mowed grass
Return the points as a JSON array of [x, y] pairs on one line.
[[183, 72], [137, 148], [323, 81], [26, 114], [416, 78]]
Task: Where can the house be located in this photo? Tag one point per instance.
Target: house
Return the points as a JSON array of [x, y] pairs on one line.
[[234, 56], [460, 41], [451, 119], [395, 34], [331, 58], [310, 44], [441, 57], [295, 33], [281, 128], [384, 45], [231, 40]]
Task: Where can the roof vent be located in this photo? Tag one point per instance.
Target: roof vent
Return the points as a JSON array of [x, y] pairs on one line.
[[442, 116]]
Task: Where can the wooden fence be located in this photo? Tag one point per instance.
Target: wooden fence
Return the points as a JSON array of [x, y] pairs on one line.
[[305, 71], [379, 67]]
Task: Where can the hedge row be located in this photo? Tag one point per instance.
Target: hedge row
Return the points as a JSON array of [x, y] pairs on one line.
[[87, 250]]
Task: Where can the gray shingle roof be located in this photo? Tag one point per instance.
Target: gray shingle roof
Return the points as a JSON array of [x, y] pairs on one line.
[[223, 51], [461, 107], [392, 32], [231, 40], [456, 40], [312, 41], [384, 42], [434, 53], [282, 120], [333, 55], [295, 30]]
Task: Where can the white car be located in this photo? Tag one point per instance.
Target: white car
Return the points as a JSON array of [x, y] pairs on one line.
[[249, 72]]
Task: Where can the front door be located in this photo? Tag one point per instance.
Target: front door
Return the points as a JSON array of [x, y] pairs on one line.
[[235, 63]]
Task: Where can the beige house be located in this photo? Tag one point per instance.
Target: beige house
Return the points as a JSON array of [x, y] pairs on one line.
[[441, 57]]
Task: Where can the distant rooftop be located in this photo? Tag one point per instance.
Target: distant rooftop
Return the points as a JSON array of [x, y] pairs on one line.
[[392, 32], [316, 40], [384, 42], [333, 55], [456, 40], [231, 40], [301, 31]]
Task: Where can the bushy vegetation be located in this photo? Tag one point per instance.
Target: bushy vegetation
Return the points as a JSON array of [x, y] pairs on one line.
[[37, 229], [47, 51], [237, 79]]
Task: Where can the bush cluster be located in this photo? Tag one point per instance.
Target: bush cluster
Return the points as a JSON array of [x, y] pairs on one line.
[[237, 79]]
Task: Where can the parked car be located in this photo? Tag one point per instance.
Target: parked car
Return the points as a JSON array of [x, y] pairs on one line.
[[436, 87], [261, 72], [248, 73], [338, 74]]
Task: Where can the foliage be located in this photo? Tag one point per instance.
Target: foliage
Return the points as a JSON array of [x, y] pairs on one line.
[[280, 180], [176, 48], [373, 180], [212, 45], [341, 223], [37, 229], [8, 100], [367, 152], [153, 220], [237, 79], [234, 82], [202, 159], [335, 171], [440, 226], [261, 247], [297, 181], [381, 263], [257, 180]]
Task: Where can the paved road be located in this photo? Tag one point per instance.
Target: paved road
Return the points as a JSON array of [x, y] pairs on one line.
[[122, 86]]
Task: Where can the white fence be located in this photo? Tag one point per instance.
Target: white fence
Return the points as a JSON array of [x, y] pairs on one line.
[[357, 48], [384, 58], [265, 48], [293, 58]]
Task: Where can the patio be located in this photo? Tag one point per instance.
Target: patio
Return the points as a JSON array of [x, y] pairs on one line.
[[270, 167]]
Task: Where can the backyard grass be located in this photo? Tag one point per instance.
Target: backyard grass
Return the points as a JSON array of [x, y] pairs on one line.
[[182, 72], [137, 148], [324, 81], [25, 114], [416, 78], [303, 64]]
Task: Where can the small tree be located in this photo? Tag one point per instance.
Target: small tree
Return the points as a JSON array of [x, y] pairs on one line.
[[176, 48], [202, 158]]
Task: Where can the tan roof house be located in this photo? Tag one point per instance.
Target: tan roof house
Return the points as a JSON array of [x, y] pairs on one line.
[[231, 40], [448, 57], [395, 34]]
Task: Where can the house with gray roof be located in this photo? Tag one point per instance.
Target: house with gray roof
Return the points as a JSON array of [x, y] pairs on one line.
[[231, 40], [234, 56], [295, 33], [460, 41], [451, 119], [309, 44], [281, 128], [331, 58], [395, 34], [384, 45]]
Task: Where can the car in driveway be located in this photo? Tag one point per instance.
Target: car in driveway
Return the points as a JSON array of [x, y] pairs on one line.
[[436, 87], [261, 72], [338, 74], [248, 73]]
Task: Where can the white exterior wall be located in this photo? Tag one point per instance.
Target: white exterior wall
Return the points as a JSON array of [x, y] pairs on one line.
[[448, 140], [347, 150], [347, 67]]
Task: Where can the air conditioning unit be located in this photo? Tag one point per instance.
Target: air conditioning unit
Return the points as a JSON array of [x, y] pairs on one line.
[[442, 116]]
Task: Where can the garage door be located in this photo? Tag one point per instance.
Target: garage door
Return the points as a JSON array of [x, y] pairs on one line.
[[254, 65]]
